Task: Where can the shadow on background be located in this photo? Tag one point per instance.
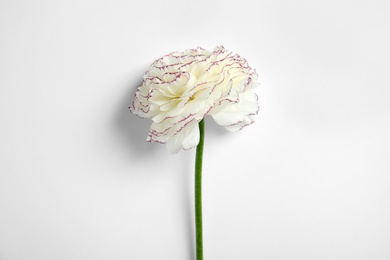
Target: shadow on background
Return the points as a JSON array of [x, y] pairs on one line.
[[132, 129], [187, 203], [132, 132]]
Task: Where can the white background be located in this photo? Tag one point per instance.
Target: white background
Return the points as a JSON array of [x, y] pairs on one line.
[[310, 180]]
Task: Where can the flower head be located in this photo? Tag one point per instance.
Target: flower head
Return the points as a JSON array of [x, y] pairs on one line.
[[181, 88]]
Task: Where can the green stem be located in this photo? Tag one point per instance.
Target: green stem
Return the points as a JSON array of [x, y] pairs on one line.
[[198, 193]]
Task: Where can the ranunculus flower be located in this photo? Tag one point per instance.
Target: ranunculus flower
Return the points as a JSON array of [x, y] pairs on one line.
[[181, 88]]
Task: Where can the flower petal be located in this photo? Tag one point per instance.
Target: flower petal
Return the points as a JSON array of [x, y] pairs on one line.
[[235, 116], [181, 88], [186, 139]]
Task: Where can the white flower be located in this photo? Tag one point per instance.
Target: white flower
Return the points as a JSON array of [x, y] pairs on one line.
[[181, 88]]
